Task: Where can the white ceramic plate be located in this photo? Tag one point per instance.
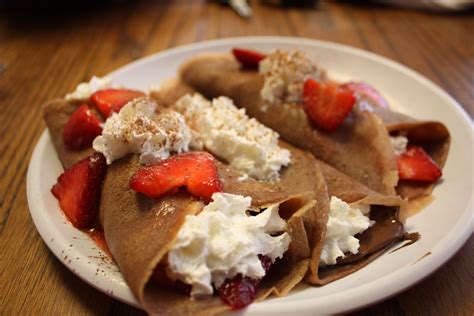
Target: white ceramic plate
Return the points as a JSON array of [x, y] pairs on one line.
[[444, 225]]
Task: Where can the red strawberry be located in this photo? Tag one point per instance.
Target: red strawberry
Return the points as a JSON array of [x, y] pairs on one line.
[[112, 100], [416, 165], [81, 128], [365, 90], [78, 190], [248, 58], [326, 103], [195, 170], [266, 262], [238, 292]]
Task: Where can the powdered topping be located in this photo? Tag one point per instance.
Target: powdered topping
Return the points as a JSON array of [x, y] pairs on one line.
[[138, 129], [285, 73], [227, 132], [223, 241], [343, 224]]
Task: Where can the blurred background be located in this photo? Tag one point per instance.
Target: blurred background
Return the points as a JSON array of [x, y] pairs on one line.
[[94, 37], [440, 5]]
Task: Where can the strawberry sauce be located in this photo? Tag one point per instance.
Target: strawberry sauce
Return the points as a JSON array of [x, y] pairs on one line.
[[240, 291], [97, 235]]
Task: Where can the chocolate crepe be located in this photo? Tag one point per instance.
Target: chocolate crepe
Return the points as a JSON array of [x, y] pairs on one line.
[[304, 174], [140, 231], [433, 136], [56, 113], [360, 147], [387, 229]]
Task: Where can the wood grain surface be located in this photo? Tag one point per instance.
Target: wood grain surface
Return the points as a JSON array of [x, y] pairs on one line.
[[45, 54]]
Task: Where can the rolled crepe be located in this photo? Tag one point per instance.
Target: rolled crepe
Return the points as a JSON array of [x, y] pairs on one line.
[[387, 230], [433, 136], [140, 231], [304, 174], [56, 113], [360, 147]]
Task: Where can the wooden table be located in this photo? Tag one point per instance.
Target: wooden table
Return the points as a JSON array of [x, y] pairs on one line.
[[44, 56]]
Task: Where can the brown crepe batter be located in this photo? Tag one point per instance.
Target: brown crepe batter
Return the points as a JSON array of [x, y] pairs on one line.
[[139, 230], [360, 147]]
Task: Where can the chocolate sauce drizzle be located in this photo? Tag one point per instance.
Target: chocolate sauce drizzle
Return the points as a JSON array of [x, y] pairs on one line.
[[387, 230], [411, 237]]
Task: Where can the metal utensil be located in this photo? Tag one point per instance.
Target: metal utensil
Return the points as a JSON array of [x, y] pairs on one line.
[[240, 6]]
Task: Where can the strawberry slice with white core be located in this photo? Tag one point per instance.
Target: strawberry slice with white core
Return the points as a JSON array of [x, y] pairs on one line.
[[416, 165], [327, 103], [78, 190], [81, 129], [196, 171], [112, 100], [248, 58]]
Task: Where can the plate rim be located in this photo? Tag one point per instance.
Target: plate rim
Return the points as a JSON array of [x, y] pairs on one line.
[[458, 234], [48, 236]]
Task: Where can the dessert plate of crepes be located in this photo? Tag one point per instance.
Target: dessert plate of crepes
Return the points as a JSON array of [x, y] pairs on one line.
[[266, 175]]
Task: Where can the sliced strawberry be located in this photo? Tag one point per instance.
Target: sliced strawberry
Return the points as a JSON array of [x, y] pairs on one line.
[[195, 170], [112, 100], [248, 58], [326, 103], [78, 190], [238, 292], [416, 165], [81, 128], [365, 90]]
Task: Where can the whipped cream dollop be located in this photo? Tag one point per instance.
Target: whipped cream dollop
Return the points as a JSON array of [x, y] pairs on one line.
[[223, 241], [344, 223], [399, 144], [138, 129], [85, 89], [227, 132], [285, 73]]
